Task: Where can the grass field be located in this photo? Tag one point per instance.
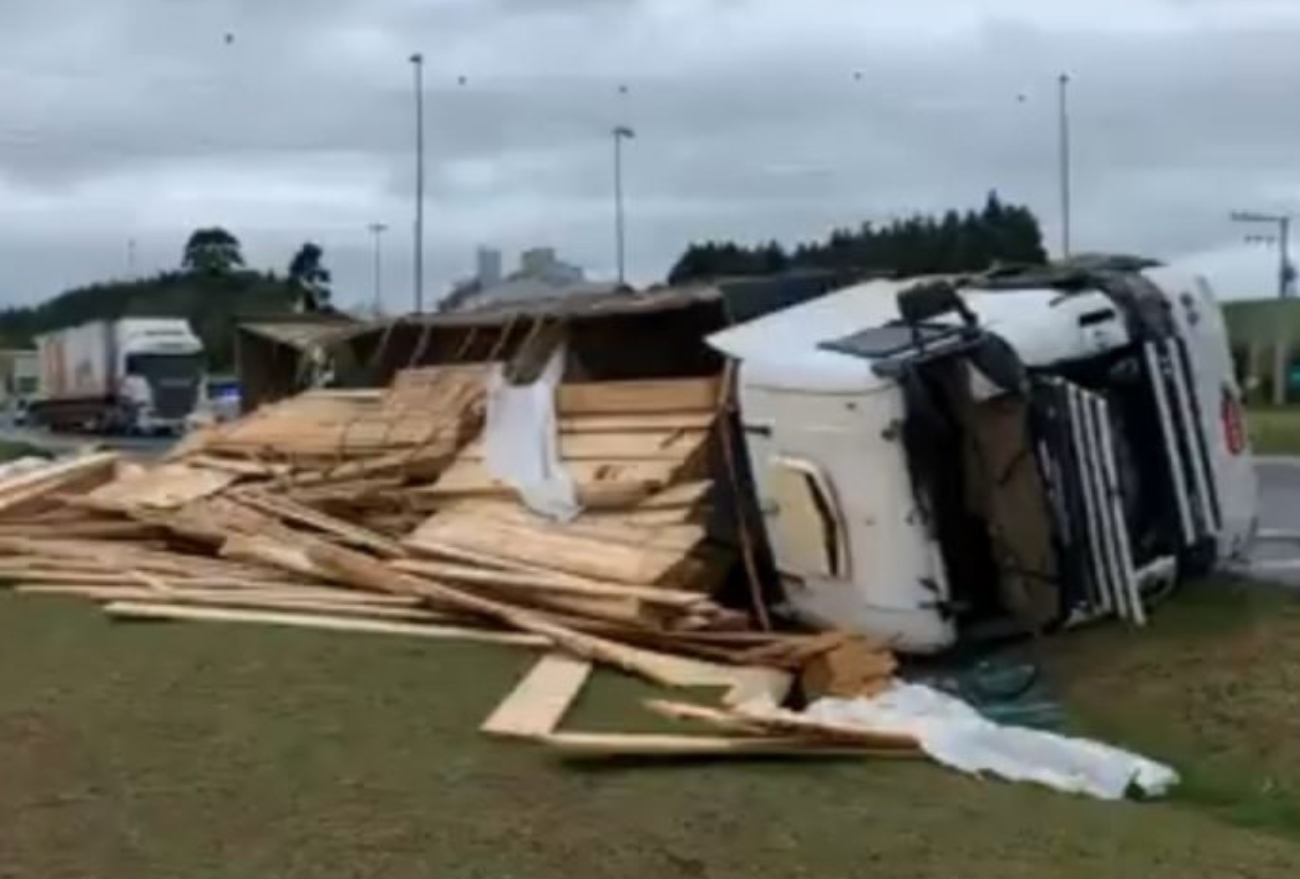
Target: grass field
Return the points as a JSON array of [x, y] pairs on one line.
[[133, 750], [1275, 431]]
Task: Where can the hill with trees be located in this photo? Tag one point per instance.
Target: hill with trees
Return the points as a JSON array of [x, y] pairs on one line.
[[213, 289], [915, 245]]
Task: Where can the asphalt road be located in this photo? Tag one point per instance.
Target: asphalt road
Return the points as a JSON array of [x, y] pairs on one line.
[[60, 443], [1277, 555]]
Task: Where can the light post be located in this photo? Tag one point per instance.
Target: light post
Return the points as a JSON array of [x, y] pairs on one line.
[[377, 231], [621, 133], [417, 62], [1063, 112]]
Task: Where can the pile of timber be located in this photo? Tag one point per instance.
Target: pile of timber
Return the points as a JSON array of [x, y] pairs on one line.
[[373, 511]]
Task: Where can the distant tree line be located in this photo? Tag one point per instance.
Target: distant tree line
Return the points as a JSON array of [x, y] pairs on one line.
[[921, 244], [213, 289]]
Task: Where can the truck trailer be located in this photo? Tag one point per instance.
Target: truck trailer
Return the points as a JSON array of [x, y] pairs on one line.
[[1012, 452], [132, 375]]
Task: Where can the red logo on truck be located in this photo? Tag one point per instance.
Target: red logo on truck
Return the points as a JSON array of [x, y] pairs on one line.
[[1234, 425]]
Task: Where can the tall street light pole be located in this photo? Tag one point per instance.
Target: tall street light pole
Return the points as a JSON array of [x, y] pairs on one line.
[[621, 133], [377, 230], [1063, 111], [417, 62]]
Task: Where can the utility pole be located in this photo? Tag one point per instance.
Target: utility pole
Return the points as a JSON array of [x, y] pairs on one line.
[[417, 62], [1285, 289], [130, 259], [377, 231], [1063, 110], [621, 133]]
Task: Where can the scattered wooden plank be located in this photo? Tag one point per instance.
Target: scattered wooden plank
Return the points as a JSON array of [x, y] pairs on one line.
[[787, 724], [37, 484], [272, 553], [583, 744], [146, 611], [674, 445], [165, 487], [651, 422], [352, 535], [684, 494], [239, 466], [586, 551], [599, 483], [639, 397], [249, 600], [537, 705], [547, 582]]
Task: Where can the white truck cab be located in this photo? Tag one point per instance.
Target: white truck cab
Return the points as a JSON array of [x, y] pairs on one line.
[[1037, 448]]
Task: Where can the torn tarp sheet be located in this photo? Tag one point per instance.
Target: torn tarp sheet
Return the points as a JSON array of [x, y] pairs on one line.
[[521, 441], [955, 734]]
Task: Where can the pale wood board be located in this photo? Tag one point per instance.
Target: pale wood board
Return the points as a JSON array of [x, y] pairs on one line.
[[684, 494], [165, 487], [345, 531], [549, 581], [653, 421], [637, 479], [571, 552], [648, 745], [640, 397], [37, 484], [144, 611], [616, 528], [611, 447], [538, 703]]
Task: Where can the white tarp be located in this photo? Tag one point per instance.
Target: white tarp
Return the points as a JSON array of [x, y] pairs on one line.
[[955, 734], [521, 443]]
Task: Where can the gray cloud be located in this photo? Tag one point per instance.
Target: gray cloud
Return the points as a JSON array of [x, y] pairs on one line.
[[136, 119]]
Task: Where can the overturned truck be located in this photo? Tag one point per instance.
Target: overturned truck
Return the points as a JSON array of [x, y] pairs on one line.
[[1020, 451]]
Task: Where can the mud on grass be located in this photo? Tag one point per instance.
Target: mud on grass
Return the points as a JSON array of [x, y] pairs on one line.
[[131, 750]]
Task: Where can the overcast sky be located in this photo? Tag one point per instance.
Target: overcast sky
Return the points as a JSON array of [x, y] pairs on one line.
[[137, 120]]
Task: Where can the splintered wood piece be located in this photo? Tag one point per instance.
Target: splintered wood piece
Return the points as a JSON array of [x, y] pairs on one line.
[[537, 705], [142, 611]]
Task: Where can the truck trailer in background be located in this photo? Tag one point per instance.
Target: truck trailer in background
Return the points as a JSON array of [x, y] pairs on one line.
[[133, 375]]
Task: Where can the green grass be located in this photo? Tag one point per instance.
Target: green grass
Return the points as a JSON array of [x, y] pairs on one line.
[[1274, 431], [132, 750], [11, 450]]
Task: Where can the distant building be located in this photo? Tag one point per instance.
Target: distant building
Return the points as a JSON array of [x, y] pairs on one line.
[[541, 275]]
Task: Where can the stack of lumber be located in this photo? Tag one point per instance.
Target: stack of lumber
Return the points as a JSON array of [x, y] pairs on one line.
[[371, 511], [426, 415]]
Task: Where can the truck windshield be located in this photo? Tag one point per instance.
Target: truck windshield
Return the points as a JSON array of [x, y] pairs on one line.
[[164, 366]]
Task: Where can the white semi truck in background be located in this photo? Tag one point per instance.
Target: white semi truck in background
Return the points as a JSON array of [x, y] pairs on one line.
[[132, 375]]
